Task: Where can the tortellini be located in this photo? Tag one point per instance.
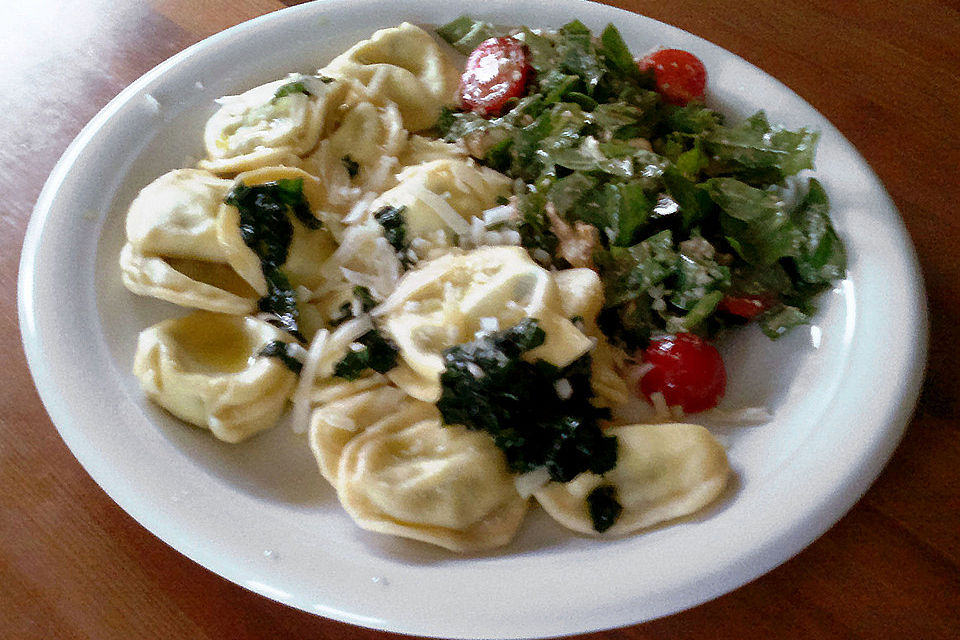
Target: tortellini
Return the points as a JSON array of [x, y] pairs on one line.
[[269, 126], [173, 251], [205, 368], [309, 248], [341, 417], [663, 472], [409, 475], [405, 66], [443, 304], [361, 149], [581, 296], [443, 196]]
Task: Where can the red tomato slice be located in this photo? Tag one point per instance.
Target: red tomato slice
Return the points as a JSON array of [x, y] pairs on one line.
[[497, 70], [746, 306], [687, 370], [680, 76]]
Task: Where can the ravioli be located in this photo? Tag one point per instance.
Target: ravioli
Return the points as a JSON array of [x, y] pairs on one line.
[[350, 410], [663, 472], [205, 369], [173, 251], [440, 198], [405, 66], [410, 476], [269, 126], [443, 304], [361, 149]]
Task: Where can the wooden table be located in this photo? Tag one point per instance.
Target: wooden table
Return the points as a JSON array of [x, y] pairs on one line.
[[74, 565]]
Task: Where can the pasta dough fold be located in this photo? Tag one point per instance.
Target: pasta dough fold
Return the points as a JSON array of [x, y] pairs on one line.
[[410, 476], [205, 369], [663, 471], [261, 127], [446, 301], [173, 250], [405, 66]]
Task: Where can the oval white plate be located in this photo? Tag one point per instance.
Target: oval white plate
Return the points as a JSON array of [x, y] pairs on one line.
[[259, 513]]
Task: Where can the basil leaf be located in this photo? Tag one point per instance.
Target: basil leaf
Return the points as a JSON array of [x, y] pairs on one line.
[[635, 210], [694, 202], [692, 119], [577, 54], [566, 192], [542, 54], [697, 276], [555, 85], [615, 51]]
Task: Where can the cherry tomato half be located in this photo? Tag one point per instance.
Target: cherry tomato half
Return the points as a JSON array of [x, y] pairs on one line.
[[497, 70], [687, 370], [746, 306], [680, 76]]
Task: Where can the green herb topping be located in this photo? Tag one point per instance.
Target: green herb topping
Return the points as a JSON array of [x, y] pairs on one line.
[[282, 351], [375, 352], [604, 507], [281, 302], [264, 217], [487, 386], [266, 228], [367, 302], [394, 230], [290, 88]]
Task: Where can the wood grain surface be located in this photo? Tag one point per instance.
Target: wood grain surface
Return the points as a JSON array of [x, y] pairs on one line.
[[74, 565]]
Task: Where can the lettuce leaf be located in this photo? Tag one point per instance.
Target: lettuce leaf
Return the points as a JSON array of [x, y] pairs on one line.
[[754, 221], [757, 152], [465, 33], [820, 258]]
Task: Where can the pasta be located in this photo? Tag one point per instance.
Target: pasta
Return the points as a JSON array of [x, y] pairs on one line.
[[404, 66], [664, 471], [261, 128], [205, 369], [443, 303], [410, 476], [339, 257], [173, 251]]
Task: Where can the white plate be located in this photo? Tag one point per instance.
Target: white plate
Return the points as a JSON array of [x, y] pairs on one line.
[[259, 513]]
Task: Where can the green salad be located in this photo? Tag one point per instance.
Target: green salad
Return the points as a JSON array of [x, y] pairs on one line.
[[694, 222]]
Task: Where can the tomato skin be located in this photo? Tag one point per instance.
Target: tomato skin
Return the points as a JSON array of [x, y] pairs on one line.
[[746, 306], [680, 75], [497, 70], [687, 370]]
